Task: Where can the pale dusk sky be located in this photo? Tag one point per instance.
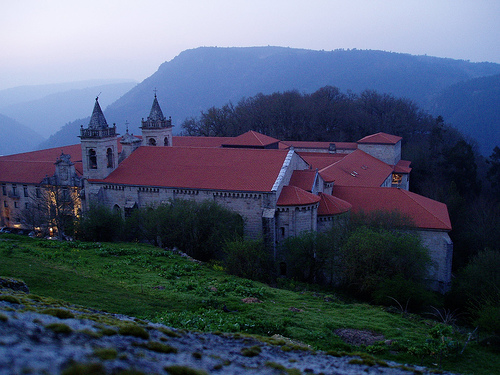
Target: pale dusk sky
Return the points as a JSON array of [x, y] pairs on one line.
[[53, 41]]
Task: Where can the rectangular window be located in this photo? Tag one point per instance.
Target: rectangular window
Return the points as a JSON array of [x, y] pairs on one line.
[[4, 189], [25, 189], [38, 192], [5, 204], [14, 190], [16, 204], [27, 205]]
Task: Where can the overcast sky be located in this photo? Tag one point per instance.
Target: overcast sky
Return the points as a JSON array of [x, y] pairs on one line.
[[52, 41]]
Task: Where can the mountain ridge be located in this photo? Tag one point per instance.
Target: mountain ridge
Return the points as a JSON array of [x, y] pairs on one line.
[[203, 77]]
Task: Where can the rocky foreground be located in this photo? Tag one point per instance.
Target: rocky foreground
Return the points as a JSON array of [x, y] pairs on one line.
[[42, 336]]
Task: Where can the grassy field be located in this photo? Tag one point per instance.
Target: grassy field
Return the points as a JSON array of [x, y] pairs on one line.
[[150, 283]]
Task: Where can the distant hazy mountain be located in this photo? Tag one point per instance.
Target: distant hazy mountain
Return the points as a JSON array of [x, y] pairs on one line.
[[29, 93], [473, 107], [200, 78], [16, 138], [48, 114]]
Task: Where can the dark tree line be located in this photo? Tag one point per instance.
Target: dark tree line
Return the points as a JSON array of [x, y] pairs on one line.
[[324, 115]]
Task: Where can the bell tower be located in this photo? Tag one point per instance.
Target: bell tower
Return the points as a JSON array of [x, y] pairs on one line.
[[99, 146], [156, 130]]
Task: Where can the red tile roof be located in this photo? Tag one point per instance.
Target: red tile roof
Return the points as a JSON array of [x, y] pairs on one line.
[[294, 196], [320, 160], [320, 145], [33, 167], [200, 168], [330, 205], [424, 212], [251, 139], [403, 166], [303, 179], [185, 141], [357, 169], [381, 139]]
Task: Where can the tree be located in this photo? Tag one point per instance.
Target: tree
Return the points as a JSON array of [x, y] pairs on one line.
[[494, 170], [54, 208], [369, 257], [100, 223], [307, 256], [198, 229], [248, 259]]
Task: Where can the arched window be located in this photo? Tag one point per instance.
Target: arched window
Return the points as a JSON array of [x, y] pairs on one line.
[[109, 155], [165, 141], [92, 159], [152, 142], [117, 209]]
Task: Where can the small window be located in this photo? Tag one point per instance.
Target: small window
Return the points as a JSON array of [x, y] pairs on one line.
[[27, 206], [166, 142], [4, 189], [397, 178], [25, 189], [5, 204], [16, 204], [152, 142], [14, 190], [38, 192]]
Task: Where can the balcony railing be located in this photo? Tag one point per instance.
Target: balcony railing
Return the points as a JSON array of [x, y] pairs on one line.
[[98, 133]]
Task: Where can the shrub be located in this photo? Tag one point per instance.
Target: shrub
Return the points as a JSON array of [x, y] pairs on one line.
[[307, 256], [369, 257], [407, 293], [477, 288], [101, 224], [489, 319], [199, 229], [248, 259]]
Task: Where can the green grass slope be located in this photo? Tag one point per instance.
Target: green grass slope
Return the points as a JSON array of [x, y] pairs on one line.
[[157, 285]]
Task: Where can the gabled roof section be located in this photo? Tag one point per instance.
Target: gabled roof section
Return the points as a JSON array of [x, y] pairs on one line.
[[403, 166], [319, 160], [357, 169], [156, 114], [97, 120], [330, 205], [251, 139], [295, 196], [33, 167], [200, 168], [381, 139], [303, 179], [425, 213]]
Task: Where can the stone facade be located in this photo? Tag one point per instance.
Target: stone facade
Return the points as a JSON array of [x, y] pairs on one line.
[[388, 153]]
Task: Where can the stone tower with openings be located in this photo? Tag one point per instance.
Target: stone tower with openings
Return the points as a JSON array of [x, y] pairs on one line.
[[99, 146], [156, 130]]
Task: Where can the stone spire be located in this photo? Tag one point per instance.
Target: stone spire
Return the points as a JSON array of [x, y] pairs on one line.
[[98, 126], [157, 129], [97, 120], [156, 114]]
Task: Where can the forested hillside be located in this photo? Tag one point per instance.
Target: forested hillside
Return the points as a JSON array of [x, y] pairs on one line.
[[473, 107]]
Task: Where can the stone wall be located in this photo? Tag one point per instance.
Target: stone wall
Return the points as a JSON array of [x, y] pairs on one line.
[[248, 205], [389, 154], [441, 252]]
